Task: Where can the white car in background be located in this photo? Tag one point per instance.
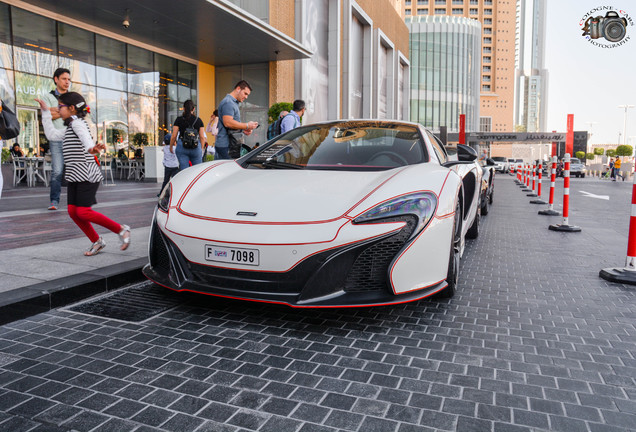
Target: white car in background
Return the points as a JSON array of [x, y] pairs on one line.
[[577, 169], [501, 164]]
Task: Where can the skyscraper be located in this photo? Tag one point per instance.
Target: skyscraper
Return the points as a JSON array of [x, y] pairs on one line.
[[530, 76], [497, 53]]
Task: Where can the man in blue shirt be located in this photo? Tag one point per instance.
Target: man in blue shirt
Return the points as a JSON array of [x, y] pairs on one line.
[[292, 120], [230, 117]]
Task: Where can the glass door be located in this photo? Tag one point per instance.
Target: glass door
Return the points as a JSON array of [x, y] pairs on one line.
[[29, 138]]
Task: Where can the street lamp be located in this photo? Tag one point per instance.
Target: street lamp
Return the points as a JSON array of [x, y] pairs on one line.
[[626, 107]]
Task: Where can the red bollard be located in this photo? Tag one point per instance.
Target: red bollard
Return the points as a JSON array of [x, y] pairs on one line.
[[626, 274], [526, 181], [565, 226], [539, 200], [534, 180], [551, 211]]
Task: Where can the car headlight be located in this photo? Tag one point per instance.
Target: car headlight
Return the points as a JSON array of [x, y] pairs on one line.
[[164, 198], [421, 204]]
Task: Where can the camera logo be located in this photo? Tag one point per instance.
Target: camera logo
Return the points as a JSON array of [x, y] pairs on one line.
[[608, 31]]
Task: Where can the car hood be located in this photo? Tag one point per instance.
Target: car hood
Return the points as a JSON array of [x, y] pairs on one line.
[[228, 192]]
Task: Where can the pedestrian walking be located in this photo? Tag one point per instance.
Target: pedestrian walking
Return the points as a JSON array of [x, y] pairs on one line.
[[611, 167], [230, 118], [274, 129], [62, 80], [83, 173], [189, 137], [170, 162], [292, 120], [617, 169], [212, 128]]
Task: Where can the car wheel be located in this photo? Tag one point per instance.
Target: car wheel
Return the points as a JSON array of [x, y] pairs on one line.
[[452, 275], [490, 197], [473, 231], [484, 206], [582, 175]]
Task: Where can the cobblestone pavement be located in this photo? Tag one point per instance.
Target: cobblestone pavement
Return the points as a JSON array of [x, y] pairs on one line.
[[534, 340]]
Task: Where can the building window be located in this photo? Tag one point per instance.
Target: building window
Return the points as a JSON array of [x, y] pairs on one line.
[[474, 2], [487, 59], [487, 40], [487, 30], [440, 2], [486, 69], [440, 11], [458, 2], [407, 11], [487, 21], [422, 11], [485, 87], [487, 50], [407, 3], [488, 2], [422, 2], [458, 11], [485, 124], [486, 78], [474, 11], [487, 11]]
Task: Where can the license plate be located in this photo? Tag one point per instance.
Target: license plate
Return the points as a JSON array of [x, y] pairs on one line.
[[231, 255]]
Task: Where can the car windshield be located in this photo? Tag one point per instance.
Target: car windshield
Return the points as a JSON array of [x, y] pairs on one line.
[[575, 161], [519, 160], [346, 145], [499, 159]]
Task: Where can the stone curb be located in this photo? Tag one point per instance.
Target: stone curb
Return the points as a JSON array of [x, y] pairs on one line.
[[44, 296]]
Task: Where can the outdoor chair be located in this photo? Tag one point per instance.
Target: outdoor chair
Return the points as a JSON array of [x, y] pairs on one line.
[[19, 170]]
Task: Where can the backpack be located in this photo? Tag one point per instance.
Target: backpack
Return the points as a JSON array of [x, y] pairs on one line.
[[190, 136], [274, 129]]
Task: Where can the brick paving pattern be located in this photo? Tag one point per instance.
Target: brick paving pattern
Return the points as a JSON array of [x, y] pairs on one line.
[[534, 340]]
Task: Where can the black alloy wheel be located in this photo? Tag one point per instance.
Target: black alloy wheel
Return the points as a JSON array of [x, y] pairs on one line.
[[473, 231], [452, 275]]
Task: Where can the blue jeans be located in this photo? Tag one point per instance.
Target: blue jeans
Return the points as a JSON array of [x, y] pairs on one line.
[[187, 156], [222, 153], [57, 166]]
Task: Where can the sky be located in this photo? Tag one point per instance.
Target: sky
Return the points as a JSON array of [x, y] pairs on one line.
[[588, 81]]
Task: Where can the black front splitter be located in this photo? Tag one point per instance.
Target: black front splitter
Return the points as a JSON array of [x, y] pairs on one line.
[[341, 299]]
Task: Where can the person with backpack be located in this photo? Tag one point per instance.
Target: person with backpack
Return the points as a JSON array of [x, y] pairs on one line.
[[292, 120], [187, 133], [274, 129]]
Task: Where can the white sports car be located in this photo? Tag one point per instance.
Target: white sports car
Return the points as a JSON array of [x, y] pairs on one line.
[[335, 214]]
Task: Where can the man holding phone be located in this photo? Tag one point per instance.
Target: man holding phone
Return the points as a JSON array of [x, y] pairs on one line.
[[230, 117]]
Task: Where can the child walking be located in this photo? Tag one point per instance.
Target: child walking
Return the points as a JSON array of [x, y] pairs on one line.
[[83, 174]]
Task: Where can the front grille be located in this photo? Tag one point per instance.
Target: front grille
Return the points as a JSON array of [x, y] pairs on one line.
[[370, 269], [159, 258]]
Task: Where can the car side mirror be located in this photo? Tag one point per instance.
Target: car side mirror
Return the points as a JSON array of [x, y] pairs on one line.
[[490, 162], [466, 153]]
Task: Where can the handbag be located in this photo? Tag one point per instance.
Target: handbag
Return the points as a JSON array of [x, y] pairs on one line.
[[9, 124], [237, 139]]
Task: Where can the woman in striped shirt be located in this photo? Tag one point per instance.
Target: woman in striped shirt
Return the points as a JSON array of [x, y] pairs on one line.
[[83, 173]]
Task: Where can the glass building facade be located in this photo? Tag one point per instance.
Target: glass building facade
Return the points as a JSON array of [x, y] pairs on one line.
[[134, 94], [445, 61]]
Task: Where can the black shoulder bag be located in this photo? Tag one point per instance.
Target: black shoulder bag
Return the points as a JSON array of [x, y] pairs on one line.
[[9, 124], [236, 139]]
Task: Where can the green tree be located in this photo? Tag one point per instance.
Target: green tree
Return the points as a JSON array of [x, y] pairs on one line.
[[274, 111], [624, 150], [590, 156], [610, 153], [599, 151], [579, 154]]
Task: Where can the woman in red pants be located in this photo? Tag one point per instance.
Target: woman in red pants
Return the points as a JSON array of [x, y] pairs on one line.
[[83, 173]]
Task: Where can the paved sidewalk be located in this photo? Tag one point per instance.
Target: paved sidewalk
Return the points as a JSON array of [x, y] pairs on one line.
[[42, 265]]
